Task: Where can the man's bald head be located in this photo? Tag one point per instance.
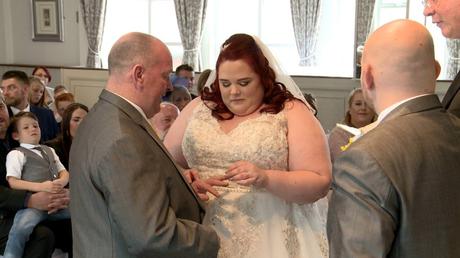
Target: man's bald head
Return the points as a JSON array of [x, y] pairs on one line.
[[399, 59], [398, 51], [134, 48]]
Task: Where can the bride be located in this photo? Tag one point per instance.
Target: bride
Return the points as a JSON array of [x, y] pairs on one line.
[[264, 152]]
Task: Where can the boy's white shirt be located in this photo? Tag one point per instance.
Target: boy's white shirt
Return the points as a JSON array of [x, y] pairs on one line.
[[15, 160]]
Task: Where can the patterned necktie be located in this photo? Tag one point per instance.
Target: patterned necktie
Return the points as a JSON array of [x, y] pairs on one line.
[[42, 152]]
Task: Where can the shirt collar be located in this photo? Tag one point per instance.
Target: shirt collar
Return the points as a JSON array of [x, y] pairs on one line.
[[388, 110], [134, 105], [29, 146], [17, 110]]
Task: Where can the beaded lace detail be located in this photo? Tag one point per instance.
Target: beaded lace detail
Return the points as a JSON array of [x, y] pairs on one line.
[[251, 222]]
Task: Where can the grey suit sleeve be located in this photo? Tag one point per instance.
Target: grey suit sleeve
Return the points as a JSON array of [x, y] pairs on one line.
[[362, 216], [144, 217]]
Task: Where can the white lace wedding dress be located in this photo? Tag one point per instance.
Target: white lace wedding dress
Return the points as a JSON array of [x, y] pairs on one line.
[[252, 222]]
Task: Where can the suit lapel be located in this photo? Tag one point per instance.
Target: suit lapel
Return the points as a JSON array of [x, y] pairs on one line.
[[128, 109], [452, 91]]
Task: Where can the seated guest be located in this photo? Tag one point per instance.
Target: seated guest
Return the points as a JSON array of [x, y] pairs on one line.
[[59, 89], [202, 80], [71, 119], [35, 168], [44, 238], [395, 190], [180, 97], [37, 92], [358, 115], [162, 121], [15, 87], [186, 71], [175, 81], [62, 101], [43, 74]]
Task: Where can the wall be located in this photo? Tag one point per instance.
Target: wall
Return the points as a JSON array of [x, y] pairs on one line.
[[16, 26], [331, 93], [2, 32]]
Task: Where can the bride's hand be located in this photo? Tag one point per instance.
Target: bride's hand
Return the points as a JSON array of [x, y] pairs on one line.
[[246, 173]]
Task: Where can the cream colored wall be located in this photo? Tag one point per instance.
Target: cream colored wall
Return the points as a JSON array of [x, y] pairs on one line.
[[17, 46], [331, 93]]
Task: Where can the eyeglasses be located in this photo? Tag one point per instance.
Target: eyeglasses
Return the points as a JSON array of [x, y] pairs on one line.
[[429, 3]]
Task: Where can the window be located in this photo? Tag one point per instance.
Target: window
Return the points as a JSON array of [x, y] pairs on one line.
[[268, 19], [271, 21], [155, 17], [388, 10]]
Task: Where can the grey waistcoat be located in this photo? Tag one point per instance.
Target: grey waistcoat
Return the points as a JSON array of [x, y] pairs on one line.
[[37, 169]]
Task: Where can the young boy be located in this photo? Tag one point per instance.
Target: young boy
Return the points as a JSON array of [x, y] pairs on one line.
[[34, 168]]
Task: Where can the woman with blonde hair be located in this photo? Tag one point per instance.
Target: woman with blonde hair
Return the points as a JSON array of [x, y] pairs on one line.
[[358, 115], [37, 92]]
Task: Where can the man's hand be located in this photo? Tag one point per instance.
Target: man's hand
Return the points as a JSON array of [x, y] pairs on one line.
[[191, 175], [59, 201], [203, 187], [50, 202]]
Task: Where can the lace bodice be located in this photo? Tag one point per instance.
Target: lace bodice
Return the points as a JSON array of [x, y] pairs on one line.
[[251, 222], [261, 140]]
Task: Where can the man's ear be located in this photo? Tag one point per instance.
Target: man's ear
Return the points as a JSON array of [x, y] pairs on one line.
[[367, 79], [15, 136], [437, 68], [138, 75]]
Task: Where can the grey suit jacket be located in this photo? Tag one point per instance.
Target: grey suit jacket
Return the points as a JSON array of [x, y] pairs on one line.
[[128, 198], [451, 100], [395, 190]]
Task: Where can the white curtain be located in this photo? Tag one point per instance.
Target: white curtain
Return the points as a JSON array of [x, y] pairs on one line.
[[364, 13], [305, 17], [93, 12], [453, 62], [190, 19]]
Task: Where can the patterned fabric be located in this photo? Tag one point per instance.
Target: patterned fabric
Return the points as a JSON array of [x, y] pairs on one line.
[[364, 14], [305, 17], [190, 19], [94, 18], [252, 222], [453, 65]]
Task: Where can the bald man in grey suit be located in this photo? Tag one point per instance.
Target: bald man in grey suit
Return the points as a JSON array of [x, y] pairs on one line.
[[128, 197], [395, 190]]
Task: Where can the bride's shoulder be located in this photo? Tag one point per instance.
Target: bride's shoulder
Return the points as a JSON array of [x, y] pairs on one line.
[[295, 105], [192, 105], [296, 109]]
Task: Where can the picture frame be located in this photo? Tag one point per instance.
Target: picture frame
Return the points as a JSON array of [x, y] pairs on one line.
[[47, 19]]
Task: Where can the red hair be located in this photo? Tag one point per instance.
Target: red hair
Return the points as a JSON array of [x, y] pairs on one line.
[[243, 47], [44, 69]]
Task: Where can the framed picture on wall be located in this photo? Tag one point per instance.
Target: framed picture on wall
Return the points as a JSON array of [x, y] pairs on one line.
[[47, 19]]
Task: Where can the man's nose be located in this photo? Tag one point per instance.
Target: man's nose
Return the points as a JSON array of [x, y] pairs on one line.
[[428, 10]]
